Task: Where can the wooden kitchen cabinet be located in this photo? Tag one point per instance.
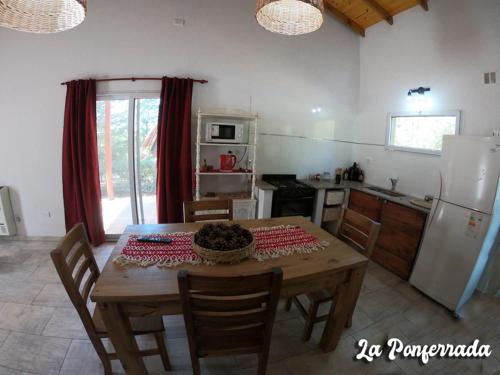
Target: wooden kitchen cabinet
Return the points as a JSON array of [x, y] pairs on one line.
[[400, 233]]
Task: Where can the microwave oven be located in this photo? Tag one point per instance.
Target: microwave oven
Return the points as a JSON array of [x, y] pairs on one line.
[[223, 132]]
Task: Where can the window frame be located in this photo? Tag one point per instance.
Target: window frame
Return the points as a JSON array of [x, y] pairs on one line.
[[391, 115]]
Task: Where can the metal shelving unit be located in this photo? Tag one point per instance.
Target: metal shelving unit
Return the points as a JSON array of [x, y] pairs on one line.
[[227, 174], [252, 121], [226, 144]]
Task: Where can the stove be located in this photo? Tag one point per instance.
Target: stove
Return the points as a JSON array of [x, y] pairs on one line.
[[292, 198]]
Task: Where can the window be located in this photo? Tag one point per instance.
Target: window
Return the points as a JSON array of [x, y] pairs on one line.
[[421, 132], [126, 135]]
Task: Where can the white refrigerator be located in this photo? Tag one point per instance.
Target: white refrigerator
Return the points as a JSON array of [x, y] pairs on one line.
[[463, 223]]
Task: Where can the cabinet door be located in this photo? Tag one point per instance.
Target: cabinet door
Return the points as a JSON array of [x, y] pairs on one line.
[[399, 238], [365, 204], [243, 209]]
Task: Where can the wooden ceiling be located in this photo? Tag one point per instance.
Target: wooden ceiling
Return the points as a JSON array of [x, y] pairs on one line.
[[361, 14]]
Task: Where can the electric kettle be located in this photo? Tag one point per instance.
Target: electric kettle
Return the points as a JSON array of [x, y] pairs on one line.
[[227, 162]]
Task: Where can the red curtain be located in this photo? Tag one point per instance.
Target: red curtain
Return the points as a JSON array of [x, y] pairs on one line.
[[174, 169], [80, 164]]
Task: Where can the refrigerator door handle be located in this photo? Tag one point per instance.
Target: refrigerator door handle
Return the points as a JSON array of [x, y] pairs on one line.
[[434, 213], [439, 198], [440, 185]]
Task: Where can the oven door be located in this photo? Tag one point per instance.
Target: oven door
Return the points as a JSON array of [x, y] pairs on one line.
[[292, 207]]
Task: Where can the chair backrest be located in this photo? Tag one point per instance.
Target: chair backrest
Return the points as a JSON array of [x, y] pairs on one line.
[[358, 230], [229, 315], [78, 270], [200, 210]]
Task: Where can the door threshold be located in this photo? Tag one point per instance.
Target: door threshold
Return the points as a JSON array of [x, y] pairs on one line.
[[111, 237]]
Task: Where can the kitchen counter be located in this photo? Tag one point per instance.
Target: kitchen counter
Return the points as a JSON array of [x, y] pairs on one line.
[[263, 185], [325, 185], [402, 222]]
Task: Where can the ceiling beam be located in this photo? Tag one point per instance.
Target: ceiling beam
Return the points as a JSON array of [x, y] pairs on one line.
[[424, 4], [374, 4], [344, 19]]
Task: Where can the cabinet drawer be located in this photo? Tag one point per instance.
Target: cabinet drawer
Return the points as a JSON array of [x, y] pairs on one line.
[[334, 197], [331, 213]]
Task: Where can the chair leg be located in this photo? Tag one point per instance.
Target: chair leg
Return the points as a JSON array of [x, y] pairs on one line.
[[195, 363], [311, 317], [102, 354], [106, 363], [288, 304], [160, 341], [261, 370], [348, 323]]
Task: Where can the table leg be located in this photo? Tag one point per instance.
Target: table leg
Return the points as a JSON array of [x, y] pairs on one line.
[[120, 334], [347, 296]]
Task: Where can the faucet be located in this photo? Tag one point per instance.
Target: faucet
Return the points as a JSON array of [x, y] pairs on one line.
[[394, 182]]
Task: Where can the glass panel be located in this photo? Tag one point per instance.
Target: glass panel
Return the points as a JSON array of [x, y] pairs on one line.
[[113, 148], [421, 132], [146, 131]]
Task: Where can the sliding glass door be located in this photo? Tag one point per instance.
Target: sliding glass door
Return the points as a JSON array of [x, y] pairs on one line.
[[126, 134], [146, 110]]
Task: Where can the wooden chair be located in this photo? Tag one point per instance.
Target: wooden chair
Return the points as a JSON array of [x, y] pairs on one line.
[[361, 233], [192, 207], [78, 270], [229, 315]]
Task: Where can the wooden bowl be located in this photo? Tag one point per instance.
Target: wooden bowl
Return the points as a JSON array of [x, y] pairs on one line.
[[229, 256]]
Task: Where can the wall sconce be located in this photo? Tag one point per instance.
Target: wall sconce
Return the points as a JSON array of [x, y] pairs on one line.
[[417, 99], [420, 91]]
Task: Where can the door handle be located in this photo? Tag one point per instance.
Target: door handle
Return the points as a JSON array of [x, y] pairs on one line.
[[433, 213]]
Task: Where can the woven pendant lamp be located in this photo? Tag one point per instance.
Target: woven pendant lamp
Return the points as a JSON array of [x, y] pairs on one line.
[[42, 16], [290, 17]]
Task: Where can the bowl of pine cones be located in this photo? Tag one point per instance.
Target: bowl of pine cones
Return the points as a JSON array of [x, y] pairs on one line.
[[220, 243]]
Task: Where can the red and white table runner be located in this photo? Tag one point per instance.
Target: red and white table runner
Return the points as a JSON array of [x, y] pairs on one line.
[[270, 242]]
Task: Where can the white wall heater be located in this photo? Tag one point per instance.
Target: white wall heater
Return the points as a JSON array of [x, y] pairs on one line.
[[7, 221]]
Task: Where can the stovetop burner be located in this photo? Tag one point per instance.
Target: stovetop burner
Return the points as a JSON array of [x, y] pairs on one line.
[[288, 186]]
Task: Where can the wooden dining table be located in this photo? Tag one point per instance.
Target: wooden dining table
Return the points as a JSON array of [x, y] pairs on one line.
[[133, 291]]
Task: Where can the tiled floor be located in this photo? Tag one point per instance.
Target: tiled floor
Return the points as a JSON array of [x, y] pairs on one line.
[[40, 333]]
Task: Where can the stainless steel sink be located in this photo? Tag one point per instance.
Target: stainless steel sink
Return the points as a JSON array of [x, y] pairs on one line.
[[386, 192]]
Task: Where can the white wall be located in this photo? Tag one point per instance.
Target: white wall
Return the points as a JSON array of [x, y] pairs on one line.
[[285, 76], [448, 49]]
